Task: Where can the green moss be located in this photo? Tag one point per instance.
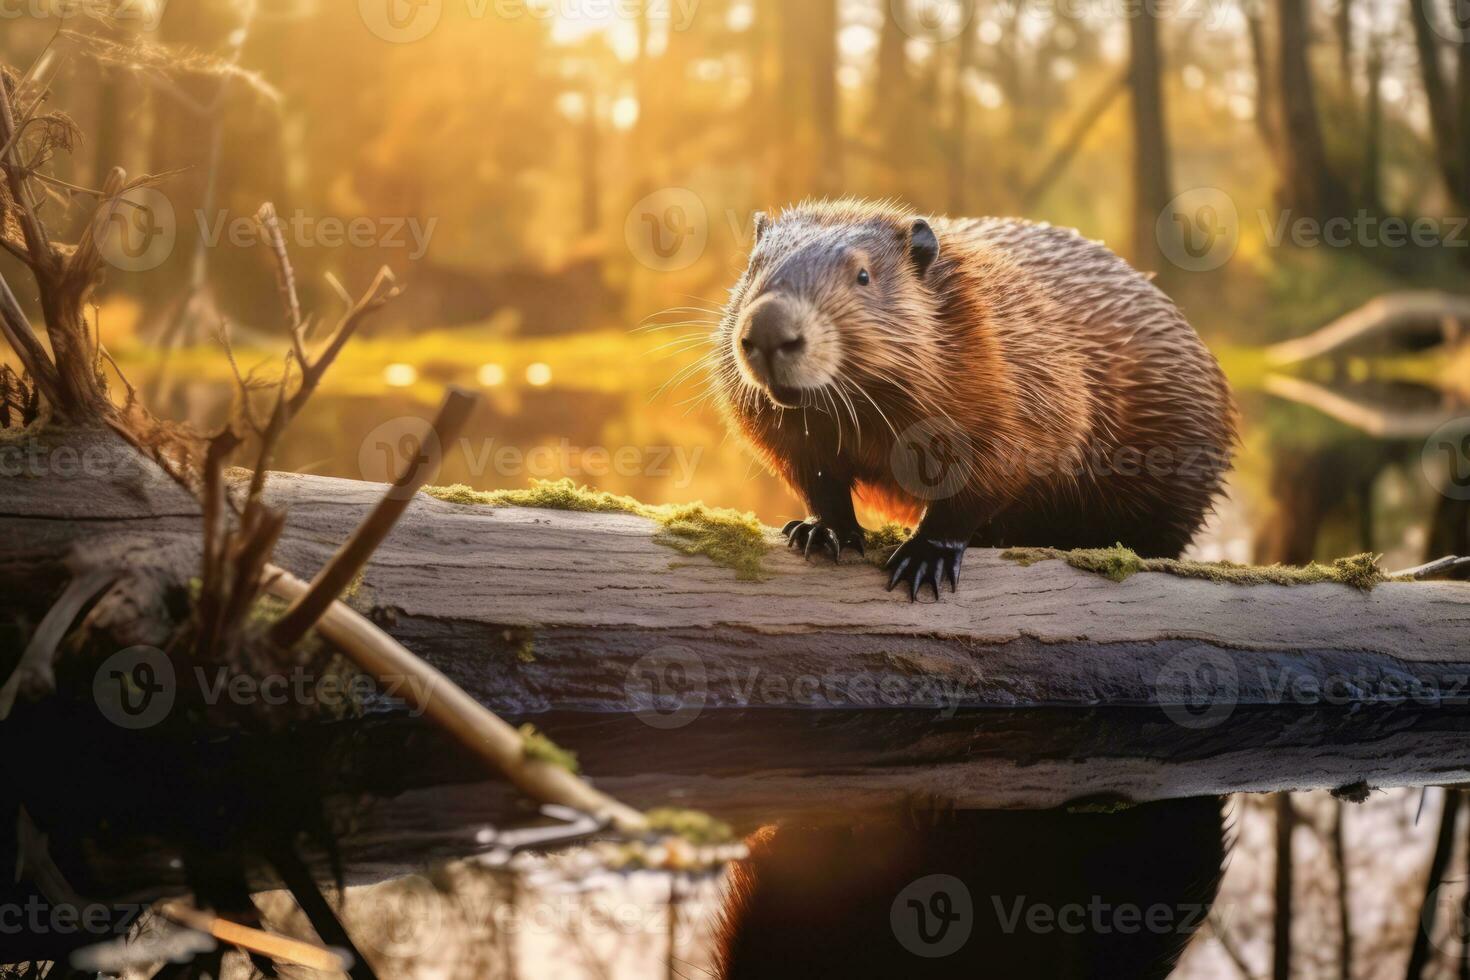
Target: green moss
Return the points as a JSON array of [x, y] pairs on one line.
[[693, 826], [882, 543], [727, 537], [1119, 563], [539, 748]]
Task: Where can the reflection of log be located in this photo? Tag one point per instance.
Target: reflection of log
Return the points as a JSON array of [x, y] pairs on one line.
[[1395, 313], [1379, 421], [814, 688]]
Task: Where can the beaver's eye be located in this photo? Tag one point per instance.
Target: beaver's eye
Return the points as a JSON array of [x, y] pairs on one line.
[[864, 278]]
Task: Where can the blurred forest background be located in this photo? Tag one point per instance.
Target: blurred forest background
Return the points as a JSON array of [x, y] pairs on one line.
[[546, 176], [555, 180]]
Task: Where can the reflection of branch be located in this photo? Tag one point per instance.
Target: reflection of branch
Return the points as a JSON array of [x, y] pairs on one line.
[[1376, 421], [1384, 315]]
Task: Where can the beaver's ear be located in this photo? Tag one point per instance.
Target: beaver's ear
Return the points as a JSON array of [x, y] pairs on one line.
[[923, 246], [762, 225]]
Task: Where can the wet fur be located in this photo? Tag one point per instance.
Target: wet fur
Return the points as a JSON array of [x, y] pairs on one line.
[[1046, 352], [1043, 349]]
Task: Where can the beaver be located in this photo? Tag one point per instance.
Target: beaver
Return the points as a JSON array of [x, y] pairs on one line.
[[1001, 382], [998, 383]]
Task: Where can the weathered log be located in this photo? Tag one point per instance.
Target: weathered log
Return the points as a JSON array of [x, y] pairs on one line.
[[813, 689]]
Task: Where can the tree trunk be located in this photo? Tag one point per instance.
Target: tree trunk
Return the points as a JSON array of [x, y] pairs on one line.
[[1437, 96], [959, 161], [1152, 181], [1268, 122], [1344, 913], [1308, 184], [1281, 920], [892, 100], [1421, 955]]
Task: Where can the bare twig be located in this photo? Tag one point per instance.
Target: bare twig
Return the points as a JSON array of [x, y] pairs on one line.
[[278, 948], [298, 880], [347, 562]]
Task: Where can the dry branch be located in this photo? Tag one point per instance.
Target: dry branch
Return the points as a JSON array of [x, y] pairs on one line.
[[1381, 316]]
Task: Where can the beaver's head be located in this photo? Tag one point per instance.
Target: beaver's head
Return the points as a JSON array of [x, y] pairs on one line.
[[833, 300]]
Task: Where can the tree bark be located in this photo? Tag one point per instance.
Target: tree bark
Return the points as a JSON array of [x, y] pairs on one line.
[[1152, 178], [1437, 96], [1308, 182], [1281, 920]]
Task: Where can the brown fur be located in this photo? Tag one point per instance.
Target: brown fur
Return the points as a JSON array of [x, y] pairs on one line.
[[1052, 358]]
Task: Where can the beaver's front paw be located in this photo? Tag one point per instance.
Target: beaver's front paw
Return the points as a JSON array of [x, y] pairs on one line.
[[810, 534], [926, 561]]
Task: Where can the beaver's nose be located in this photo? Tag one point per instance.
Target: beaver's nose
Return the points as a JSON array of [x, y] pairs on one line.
[[772, 335]]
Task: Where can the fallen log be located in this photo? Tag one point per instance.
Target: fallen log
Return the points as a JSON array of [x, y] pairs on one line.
[[812, 689]]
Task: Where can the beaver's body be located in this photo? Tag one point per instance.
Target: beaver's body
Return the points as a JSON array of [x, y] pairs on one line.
[[1012, 383], [1003, 383]]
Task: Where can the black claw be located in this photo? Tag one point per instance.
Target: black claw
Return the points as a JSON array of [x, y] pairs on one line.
[[926, 562], [897, 571], [812, 533], [919, 572]]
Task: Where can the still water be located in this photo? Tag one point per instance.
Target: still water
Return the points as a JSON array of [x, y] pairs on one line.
[[1336, 458]]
